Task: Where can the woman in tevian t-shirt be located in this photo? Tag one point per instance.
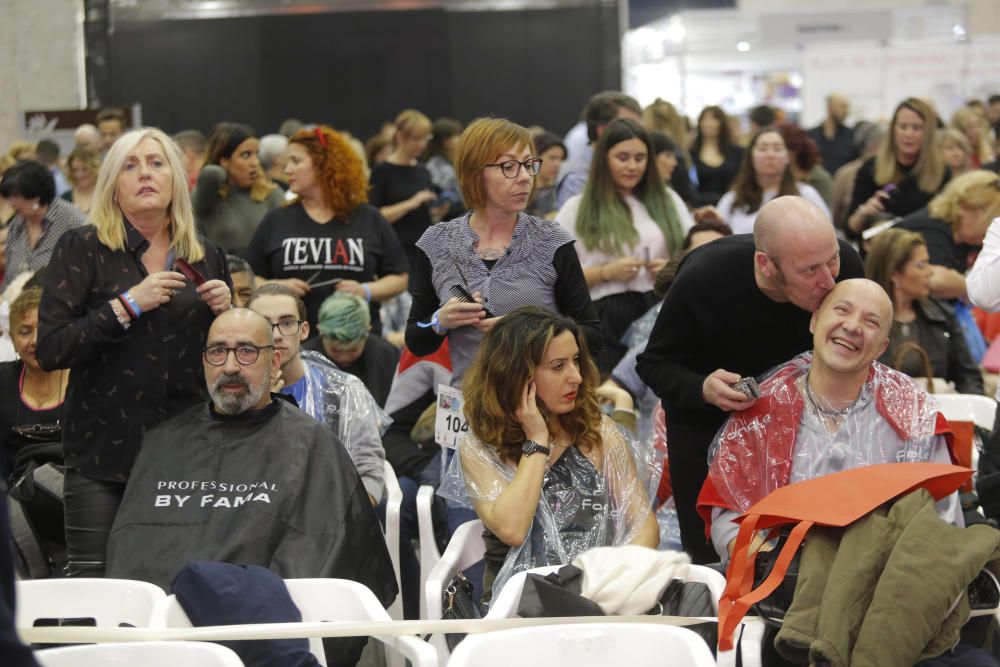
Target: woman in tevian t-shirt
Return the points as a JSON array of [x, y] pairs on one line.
[[328, 239]]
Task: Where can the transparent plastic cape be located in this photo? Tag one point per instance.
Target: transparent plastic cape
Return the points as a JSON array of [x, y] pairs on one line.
[[586, 502], [783, 438], [342, 402]]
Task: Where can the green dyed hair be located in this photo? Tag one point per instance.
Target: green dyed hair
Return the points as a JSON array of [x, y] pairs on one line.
[[604, 221], [344, 317]]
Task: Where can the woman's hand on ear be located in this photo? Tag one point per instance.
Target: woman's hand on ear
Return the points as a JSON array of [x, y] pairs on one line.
[[530, 417]]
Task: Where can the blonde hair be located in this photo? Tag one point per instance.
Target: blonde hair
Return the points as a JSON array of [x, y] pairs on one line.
[[480, 144], [955, 136], [962, 120], [19, 147], [410, 122], [975, 189], [88, 156], [929, 168], [661, 116], [107, 215]]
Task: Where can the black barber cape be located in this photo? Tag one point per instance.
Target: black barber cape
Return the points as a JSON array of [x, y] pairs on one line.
[[272, 487]]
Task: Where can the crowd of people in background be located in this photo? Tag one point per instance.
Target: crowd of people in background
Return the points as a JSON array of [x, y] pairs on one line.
[[524, 267]]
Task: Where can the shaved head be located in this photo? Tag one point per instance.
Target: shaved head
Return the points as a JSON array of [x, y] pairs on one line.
[[851, 329], [250, 321], [867, 292], [784, 221]]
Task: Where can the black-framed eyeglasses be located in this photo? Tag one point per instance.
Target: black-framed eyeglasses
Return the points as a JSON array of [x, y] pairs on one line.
[[287, 326], [246, 355], [511, 168]]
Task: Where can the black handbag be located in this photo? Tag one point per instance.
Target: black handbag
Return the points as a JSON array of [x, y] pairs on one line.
[[457, 603], [773, 608], [558, 594]]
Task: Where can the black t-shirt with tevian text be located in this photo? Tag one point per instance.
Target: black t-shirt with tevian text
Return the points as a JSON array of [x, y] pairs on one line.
[[290, 244]]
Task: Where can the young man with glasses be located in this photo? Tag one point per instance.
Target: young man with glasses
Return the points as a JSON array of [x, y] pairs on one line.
[[248, 479], [320, 389]]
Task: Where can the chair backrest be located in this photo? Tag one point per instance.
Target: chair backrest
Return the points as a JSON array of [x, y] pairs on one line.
[[429, 554], [980, 410], [147, 654], [963, 411], [317, 599], [505, 603], [108, 602], [393, 503], [633, 644], [465, 548]]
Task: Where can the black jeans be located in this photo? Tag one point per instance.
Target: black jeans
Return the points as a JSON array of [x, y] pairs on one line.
[[91, 505]]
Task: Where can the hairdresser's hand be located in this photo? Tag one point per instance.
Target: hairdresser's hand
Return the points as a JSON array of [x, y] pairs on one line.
[[297, 285], [717, 390], [486, 324], [707, 213], [530, 417], [455, 313], [351, 287], [216, 294], [157, 289]]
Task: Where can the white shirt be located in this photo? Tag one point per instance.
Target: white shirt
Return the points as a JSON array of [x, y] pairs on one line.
[[742, 220], [983, 281], [650, 237]]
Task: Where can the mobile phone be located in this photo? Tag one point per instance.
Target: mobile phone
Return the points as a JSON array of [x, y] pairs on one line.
[[461, 292], [191, 273]]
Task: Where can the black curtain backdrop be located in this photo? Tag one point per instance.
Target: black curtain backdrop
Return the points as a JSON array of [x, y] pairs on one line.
[[356, 70]]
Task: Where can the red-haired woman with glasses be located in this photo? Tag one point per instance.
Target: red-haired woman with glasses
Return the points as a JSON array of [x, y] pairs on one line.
[[329, 238], [496, 253]]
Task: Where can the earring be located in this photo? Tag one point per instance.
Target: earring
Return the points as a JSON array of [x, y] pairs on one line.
[[34, 207]]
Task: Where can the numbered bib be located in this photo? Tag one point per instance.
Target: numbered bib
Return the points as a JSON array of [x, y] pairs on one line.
[[450, 425]]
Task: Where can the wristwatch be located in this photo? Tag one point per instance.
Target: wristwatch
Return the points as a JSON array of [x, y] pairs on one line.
[[531, 447]]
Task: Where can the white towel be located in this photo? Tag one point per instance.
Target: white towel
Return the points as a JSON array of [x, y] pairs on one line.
[[629, 579]]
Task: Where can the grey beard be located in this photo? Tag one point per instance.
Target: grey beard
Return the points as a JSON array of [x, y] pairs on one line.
[[234, 404]]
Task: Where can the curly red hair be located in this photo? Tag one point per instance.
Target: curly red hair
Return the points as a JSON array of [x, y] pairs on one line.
[[339, 170]]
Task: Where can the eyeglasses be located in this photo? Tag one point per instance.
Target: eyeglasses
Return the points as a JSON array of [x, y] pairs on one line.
[[511, 168], [246, 355], [287, 326]]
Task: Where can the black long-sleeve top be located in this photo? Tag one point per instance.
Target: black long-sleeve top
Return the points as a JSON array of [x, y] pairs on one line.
[[906, 198], [122, 382]]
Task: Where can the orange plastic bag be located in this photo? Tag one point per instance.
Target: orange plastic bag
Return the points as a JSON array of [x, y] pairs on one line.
[[833, 500]]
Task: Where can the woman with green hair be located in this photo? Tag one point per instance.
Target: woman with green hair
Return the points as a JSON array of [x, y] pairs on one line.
[[626, 227], [344, 324]]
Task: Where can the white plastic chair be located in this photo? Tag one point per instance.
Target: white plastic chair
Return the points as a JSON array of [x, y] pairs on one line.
[[429, 554], [586, 645], [393, 502], [980, 410], [505, 603], [147, 654], [324, 600], [466, 548], [109, 602]]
